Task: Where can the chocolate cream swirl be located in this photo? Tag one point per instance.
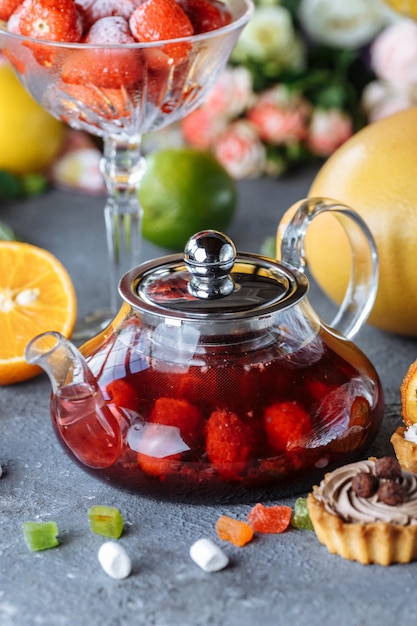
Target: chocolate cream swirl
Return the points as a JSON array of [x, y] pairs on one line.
[[338, 497]]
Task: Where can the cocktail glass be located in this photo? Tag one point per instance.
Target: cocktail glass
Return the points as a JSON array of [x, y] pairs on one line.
[[120, 92]]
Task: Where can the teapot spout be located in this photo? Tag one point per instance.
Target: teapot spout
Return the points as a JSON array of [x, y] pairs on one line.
[[79, 411], [60, 359]]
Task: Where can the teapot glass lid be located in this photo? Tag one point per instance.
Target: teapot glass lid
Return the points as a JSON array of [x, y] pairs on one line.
[[211, 280]]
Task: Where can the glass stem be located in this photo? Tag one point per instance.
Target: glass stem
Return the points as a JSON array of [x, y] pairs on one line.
[[123, 167]]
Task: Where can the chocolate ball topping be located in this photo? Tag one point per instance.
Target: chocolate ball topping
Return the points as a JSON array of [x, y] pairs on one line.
[[391, 493], [385, 481], [364, 485], [388, 467]]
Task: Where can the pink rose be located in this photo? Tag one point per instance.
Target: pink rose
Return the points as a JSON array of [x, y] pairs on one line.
[[328, 130], [394, 53], [232, 94], [241, 151], [381, 99], [201, 128], [78, 166], [280, 118]]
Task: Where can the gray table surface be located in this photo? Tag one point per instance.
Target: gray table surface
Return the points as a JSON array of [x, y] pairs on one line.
[[289, 578]]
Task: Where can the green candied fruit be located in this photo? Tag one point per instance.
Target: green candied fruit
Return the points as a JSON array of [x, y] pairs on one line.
[[106, 521], [301, 518], [40, 535]]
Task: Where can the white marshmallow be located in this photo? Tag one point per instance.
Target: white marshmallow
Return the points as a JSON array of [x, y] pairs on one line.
[[114, 560], [208, 556]]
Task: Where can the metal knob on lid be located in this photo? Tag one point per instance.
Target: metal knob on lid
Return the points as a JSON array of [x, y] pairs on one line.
[[209, 257], [211, 282]]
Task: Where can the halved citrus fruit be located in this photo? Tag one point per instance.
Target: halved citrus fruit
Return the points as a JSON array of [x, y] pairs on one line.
[[36, 295]]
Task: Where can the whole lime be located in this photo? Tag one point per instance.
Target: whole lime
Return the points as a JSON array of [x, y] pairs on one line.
[[183, 191]]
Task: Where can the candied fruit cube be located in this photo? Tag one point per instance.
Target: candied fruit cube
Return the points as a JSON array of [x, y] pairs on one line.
[[270, 519], [106, 521], [301, 518], [40, 535], [232, 530]]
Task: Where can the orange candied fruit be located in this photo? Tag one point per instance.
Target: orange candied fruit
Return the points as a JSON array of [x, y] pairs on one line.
[[270, 519], [237, 532]]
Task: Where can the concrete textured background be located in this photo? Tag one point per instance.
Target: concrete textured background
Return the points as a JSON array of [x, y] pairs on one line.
[[282, 579]]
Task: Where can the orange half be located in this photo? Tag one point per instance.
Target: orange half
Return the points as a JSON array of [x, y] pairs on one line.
[[36, 295]]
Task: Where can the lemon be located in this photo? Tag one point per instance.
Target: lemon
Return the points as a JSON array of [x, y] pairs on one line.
[[183, 191], [374, 172], [30, 137]]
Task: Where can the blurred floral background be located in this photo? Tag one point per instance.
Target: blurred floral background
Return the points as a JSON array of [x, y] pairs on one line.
[[304, 76]]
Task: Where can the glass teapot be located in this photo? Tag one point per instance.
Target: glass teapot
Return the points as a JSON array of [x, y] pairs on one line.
[[217, 378]]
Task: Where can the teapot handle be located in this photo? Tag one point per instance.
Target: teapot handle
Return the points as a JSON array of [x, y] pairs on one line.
[[362, 288]]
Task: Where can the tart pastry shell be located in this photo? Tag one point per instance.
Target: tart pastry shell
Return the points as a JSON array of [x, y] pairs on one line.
[[378, 542], [405, 451]]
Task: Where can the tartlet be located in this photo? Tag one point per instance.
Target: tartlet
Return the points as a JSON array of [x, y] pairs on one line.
[[405, 450], [404, 439], [365, 528]]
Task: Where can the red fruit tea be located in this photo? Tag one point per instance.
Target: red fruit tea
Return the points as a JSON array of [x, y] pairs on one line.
[[261, 417]]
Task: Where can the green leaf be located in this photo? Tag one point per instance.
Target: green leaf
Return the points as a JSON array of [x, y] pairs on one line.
[[10, 187], [332, 97], [7, 233], [13, 187], [33, 184]]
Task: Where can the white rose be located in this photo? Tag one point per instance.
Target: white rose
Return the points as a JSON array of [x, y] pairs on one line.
[[342, 23], [269, 36]]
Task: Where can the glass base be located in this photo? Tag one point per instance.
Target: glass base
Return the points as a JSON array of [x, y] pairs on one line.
[[91, 324]]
